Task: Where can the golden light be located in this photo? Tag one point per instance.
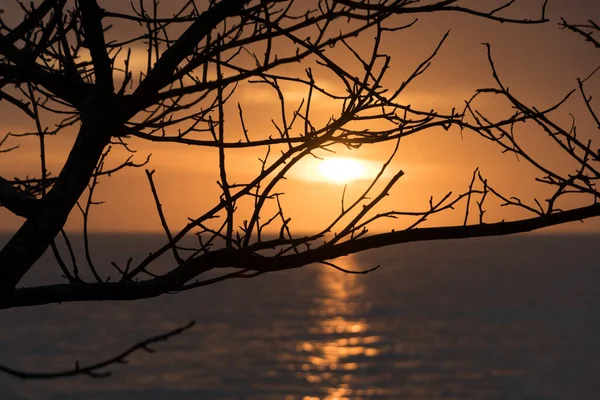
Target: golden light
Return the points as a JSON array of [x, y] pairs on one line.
[[342, 170], [339, 342]]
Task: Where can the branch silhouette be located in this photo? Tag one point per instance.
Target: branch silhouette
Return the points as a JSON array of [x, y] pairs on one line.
[[97, 369], [67, 72]]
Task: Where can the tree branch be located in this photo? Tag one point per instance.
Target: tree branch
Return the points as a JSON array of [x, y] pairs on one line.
[[17, 202], [243, 259], [96, 370]]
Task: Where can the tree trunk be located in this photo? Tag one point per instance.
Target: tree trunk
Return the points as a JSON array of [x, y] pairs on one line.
[[33, 238]]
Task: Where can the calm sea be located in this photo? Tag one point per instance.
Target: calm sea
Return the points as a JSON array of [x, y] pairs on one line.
[[507, 318]]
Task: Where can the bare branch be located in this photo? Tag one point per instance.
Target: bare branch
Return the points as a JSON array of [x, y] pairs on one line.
[[97, 370]]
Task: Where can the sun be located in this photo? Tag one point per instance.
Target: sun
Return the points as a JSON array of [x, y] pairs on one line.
[[342, 170]]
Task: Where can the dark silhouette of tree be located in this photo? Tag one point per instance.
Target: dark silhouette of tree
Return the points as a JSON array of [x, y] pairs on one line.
[[60, 60]]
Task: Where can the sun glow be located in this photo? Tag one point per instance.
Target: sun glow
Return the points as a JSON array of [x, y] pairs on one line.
[[342, 170]]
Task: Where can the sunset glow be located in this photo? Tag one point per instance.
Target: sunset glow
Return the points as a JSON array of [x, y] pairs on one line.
[[342, 170]]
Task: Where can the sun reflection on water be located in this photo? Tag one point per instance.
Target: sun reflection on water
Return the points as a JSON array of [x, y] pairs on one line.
[[339, 342]]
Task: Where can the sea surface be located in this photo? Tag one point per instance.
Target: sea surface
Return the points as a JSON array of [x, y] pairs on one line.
[[498, 318]]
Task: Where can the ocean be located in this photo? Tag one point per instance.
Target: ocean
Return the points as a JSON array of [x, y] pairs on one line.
[[497, 318]]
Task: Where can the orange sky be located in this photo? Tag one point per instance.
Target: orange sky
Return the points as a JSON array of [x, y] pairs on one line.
[[539, 63]]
